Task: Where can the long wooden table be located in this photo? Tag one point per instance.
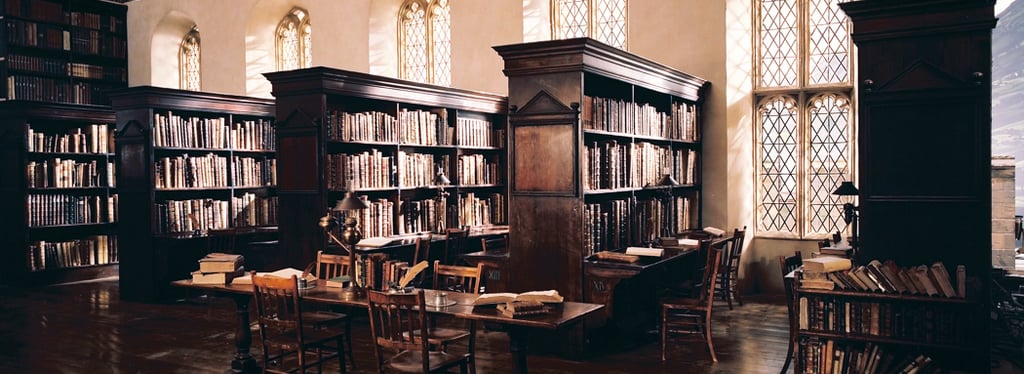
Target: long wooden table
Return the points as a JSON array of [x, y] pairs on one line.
[[562, 315]]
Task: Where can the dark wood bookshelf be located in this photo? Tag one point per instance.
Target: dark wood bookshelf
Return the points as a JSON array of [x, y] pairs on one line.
[[310, 105], [164, 243], [63, 51], [924, 134], [39, 246]]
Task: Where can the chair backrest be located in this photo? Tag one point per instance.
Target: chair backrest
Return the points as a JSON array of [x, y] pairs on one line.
[[464, 279], [278, 308], [731, 259], [221, 240], [790, 263], [711, 266], [422, 252], [494, 243], [330, 265], [454, 244], [393, 318]]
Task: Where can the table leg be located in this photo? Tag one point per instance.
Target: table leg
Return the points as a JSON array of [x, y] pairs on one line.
[[243, 362], [517, 345]]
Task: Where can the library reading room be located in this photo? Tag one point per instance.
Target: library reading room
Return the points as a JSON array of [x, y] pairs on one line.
[[524, 186]]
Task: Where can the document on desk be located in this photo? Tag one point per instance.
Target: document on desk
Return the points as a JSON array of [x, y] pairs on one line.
[[645, 251]]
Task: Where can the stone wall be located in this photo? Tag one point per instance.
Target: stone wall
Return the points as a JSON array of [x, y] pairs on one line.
[[1003, 242]]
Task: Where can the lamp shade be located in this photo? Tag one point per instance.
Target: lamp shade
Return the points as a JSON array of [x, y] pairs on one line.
[[846, 189], [440, 179], [350, 202], [667, 180]]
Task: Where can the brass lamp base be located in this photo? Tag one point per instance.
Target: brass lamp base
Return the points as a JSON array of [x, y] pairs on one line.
[[352, 293]]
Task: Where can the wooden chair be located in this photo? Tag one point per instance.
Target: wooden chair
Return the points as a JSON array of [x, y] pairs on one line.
[[787, 264], [462, 279], [730, 267], [494, 243], [285, 331], [454, 245], [398, 322], [221, 240], [684, 315], [329, 266], [422, 253]]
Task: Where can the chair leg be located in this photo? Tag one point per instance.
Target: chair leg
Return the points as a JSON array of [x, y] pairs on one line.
[[735, 290], [664, 332], [707, 335], [348, 346], [341, 355], [727, 290]]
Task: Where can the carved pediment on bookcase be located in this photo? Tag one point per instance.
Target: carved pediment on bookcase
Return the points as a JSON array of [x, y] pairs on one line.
[[921, 75], [544, 103], [131, 129], [298, 119]]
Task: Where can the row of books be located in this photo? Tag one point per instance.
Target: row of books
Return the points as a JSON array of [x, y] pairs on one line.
[[56, 66], [478, 133], [56, 90], [418, 169], [828, 356], [374, 221], [477, 169], [98, 43], [369, 169], [419, 127], [174, 131], [377, 272], [92, 250], [250, 210], [884, 277], [62, 209], [918, 322], [626, 117], [184, 171], [481, 211], [96, 21], [253, 172], [52, 36], [174, 216], [617, 224], [91, 139], [58, 173], [46, 11], [612, 165], [416, 216]]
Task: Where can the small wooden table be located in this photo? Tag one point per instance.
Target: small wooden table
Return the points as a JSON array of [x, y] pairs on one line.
[[562, 315]]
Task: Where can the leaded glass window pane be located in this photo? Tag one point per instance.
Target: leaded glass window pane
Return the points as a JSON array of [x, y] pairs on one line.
[[440, 21], [611, 22], [830, 149], [189, 61], [414, 32], [294, 41], [779, 49], [573, 18], [828, 49], [778, 144]]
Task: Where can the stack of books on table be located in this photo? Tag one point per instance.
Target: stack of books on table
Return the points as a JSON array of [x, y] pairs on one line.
[[516, 309], [218, 268]]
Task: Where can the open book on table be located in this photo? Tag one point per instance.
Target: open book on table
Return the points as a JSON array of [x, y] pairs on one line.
[[282, 273], [549, 296]]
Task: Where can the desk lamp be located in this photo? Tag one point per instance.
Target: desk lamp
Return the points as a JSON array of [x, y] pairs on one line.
[[349, 237], [849, 210], [440, 180]]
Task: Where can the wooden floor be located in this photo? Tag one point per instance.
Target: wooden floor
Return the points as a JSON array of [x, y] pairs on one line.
[[85, 328]]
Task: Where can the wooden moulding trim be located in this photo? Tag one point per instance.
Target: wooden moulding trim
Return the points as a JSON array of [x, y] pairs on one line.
[[172, 99], [591, 56], [332, 81], [56, 111]]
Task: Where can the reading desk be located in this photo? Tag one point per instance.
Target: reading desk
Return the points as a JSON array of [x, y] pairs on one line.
[[561, 315]]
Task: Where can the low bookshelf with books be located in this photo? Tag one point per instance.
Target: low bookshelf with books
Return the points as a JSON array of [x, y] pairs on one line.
[[190, 163], [59, 192], [880, 318]]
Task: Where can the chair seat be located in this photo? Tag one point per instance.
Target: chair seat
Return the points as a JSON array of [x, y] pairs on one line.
[[412, 361], [443, 335], [681, 303], [312, 336], [321, 319]]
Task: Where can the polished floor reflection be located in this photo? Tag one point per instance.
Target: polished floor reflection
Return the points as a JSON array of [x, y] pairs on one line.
[[85, 328]]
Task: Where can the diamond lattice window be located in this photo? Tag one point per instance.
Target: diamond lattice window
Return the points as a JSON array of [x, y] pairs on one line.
[[804, 117], [604, 20], [294, 41], [425, 47], [188, 61]]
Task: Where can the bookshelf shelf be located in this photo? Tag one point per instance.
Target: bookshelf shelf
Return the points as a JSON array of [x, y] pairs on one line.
[[388, 137], [186, 164], [63, 51], [62, 204]]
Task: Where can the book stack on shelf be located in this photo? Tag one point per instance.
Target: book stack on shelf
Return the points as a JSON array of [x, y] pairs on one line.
[[834, 356], [218, 268], [819, 272], [829, 272]]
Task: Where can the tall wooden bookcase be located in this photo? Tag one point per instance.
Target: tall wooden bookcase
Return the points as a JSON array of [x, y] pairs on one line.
[[387, 138], [63, 51], [924, 108], [58, 192], [592, 129], [188, 162]]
